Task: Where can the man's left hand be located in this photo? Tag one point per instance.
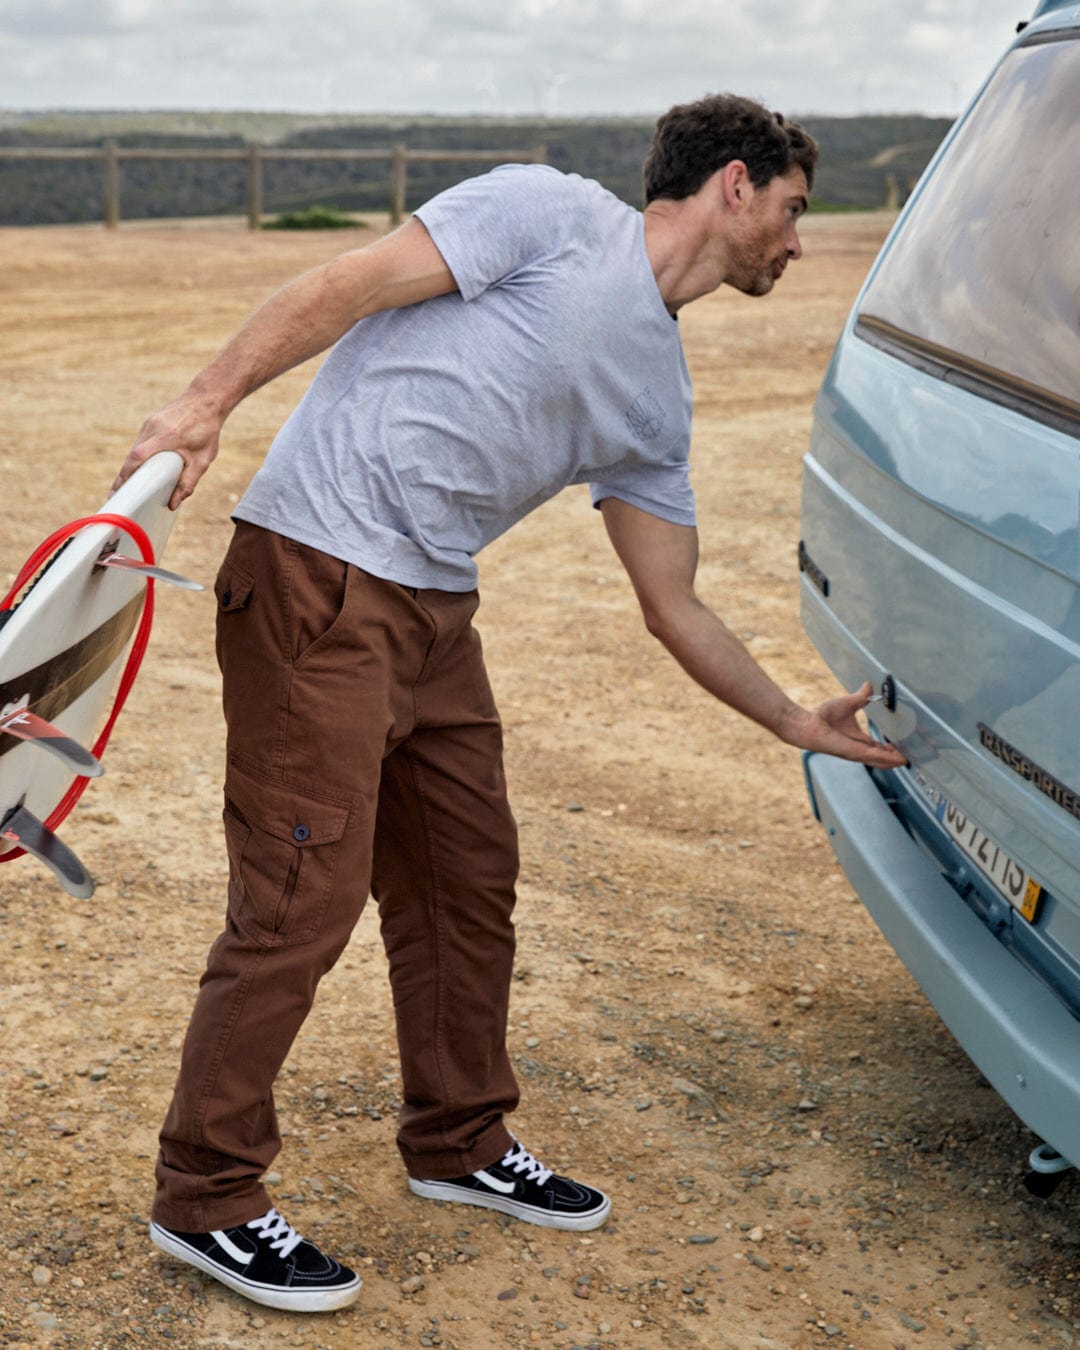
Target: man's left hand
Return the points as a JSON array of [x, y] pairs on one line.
[[833, 729]]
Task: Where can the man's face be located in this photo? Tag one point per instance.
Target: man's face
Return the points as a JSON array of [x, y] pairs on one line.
[[767, 239]]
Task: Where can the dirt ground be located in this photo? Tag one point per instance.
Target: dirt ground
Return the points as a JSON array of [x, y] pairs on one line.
[[704, 1021]]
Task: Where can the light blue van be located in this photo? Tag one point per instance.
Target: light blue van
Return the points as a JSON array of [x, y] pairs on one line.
[[940, 559]]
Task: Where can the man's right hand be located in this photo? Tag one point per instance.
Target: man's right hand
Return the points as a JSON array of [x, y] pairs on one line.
[[191, 426]]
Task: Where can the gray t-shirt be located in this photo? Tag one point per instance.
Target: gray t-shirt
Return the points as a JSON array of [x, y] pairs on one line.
[[431, 429]]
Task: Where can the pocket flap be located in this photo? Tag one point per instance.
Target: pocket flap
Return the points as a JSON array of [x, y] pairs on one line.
[[286, 811], [233, 588]]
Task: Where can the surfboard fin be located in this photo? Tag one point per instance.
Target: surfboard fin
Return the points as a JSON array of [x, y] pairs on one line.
[[27, 726], [149, 570], [24, 829]]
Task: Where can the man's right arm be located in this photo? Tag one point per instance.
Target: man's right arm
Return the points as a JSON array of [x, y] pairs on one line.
[[299, 321]]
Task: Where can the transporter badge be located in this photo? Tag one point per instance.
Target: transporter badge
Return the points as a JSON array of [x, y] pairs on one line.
[[1037, 776]]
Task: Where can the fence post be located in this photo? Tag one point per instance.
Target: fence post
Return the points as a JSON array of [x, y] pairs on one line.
[[254, 186], [397, 185], [540, 154], [112, 186]]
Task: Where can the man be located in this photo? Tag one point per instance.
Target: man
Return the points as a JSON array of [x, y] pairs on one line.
[[515, 336]]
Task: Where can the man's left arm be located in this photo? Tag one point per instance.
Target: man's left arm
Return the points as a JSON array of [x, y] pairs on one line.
[[661, 561]]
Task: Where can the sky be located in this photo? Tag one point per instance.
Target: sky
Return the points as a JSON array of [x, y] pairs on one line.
[[548, 57]]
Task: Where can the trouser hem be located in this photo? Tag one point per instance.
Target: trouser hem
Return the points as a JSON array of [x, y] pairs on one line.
[[208, 1216], [448, 1164]]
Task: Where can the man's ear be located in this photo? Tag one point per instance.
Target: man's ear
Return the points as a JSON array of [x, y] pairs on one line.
[[735, 184]]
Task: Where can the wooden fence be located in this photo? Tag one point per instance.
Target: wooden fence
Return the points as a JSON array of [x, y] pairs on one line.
[[255, 156]]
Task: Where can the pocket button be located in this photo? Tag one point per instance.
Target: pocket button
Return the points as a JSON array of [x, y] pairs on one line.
[[301, 833]]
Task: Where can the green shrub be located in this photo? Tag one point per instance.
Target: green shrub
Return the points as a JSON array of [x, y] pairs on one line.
[[314, 218]]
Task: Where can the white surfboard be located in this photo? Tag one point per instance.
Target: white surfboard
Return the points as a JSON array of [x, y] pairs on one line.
[[63, 646]]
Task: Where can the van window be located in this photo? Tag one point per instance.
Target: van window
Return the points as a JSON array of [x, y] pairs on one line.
[[982, 284]]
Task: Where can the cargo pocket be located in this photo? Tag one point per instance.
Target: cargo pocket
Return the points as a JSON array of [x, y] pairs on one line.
[[283, 843]]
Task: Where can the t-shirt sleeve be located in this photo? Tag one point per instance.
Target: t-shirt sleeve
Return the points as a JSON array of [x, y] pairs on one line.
[[660, 489], [486, 228]]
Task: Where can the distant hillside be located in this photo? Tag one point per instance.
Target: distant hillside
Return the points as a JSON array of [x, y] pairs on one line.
[[859, 154]]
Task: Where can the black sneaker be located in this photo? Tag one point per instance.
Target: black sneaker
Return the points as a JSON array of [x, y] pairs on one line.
[[266, 1261], [521, 1186]]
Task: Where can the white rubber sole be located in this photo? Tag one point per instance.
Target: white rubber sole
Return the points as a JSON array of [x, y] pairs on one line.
[[286, 1300], [542, 1218]]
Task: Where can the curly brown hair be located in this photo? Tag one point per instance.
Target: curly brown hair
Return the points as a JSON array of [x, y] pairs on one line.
[[693, 140]]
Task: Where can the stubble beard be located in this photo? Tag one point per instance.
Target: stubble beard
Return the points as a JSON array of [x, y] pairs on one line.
[[749, 271]]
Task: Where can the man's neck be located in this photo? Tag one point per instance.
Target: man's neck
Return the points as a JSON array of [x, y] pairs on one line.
[[686, 263]]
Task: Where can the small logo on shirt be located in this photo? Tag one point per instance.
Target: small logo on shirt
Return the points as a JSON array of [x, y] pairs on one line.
[[645, 416]]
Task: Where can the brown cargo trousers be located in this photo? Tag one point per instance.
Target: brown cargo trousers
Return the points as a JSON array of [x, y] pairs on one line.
[[364, 753]]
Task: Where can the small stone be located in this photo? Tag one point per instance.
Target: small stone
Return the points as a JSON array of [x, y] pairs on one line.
[[699, 1102], [412, 1285], [643, 1104], [804, 1003], [98, 1072], [507, 1295], [759, 1261], [574, 806], [702, 1239], [272, 1178], [41, 1276], [807, 1105], [532, 1042], [756, 1234]]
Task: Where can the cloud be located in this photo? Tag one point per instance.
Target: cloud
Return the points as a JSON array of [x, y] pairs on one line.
[[511, 56]]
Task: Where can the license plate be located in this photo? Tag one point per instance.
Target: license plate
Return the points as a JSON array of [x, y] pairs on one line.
[[1021, 890]]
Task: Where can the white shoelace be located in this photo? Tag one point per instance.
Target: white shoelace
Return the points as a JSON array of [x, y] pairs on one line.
[[283, 1236], [520, 1161]]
